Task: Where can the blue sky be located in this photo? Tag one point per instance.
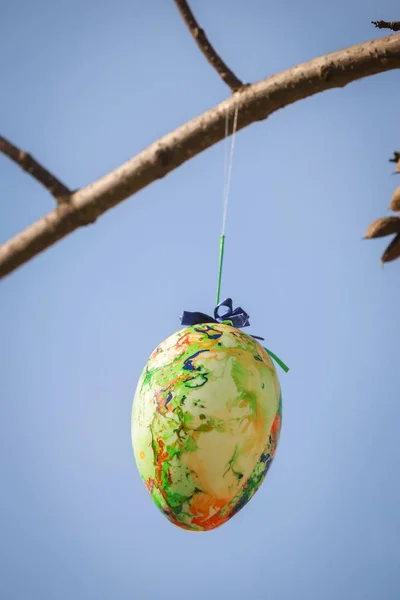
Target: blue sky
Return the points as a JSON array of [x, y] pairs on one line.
[[86, 85]]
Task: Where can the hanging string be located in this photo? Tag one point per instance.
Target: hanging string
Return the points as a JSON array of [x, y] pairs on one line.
[[226, 158], [229, 166], [236, 317], [227, 181]]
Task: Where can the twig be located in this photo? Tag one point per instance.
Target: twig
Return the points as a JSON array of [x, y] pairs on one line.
[[205, 46], [255, 103], [31, 166], [393, 25]]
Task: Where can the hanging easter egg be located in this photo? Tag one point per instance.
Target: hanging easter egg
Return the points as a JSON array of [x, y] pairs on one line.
[[206, 421]]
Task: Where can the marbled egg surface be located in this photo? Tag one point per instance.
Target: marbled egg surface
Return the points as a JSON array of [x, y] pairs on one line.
[[206, 421]]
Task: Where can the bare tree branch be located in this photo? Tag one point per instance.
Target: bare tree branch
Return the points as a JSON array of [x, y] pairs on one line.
[[393, 25], [31, 166], [205, 46], [255, 103]]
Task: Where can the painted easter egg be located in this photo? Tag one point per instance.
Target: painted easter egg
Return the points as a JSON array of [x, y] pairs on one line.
[[206, 421]]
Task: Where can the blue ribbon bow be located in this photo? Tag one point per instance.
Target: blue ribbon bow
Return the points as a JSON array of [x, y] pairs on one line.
[[236, 317]]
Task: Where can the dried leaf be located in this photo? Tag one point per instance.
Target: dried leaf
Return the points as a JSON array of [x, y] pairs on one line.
[[392, 251], [382, 227], [395, 203]]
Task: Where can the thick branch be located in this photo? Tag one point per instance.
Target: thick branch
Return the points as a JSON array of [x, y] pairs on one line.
[[205, 46], [393, 25], [255, 103], [31, 166]]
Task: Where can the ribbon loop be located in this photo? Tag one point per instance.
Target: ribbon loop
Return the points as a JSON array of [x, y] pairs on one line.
[[229, 304], [238, 316], [195, 318]]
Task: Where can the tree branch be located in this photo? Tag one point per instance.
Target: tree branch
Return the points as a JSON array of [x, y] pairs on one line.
[[393, 25], [255, 103], [205, 46], [31, 166]]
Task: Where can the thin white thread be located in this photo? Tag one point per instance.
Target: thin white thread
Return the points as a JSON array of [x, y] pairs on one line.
[[226, 155], [228, 165]]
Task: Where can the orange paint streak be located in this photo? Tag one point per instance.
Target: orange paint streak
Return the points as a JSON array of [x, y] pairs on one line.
[[275, 429], [212, 522], [161, 456], [201, 506], [276, 425], [186, 340]]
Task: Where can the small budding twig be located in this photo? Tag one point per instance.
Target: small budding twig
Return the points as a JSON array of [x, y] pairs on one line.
[[206, 47], [388, 225], [60, 192], [393, 25]]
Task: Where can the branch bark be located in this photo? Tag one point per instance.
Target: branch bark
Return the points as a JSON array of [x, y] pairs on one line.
[[393, 25], [255, 103], [206, 47], [60, 192]]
